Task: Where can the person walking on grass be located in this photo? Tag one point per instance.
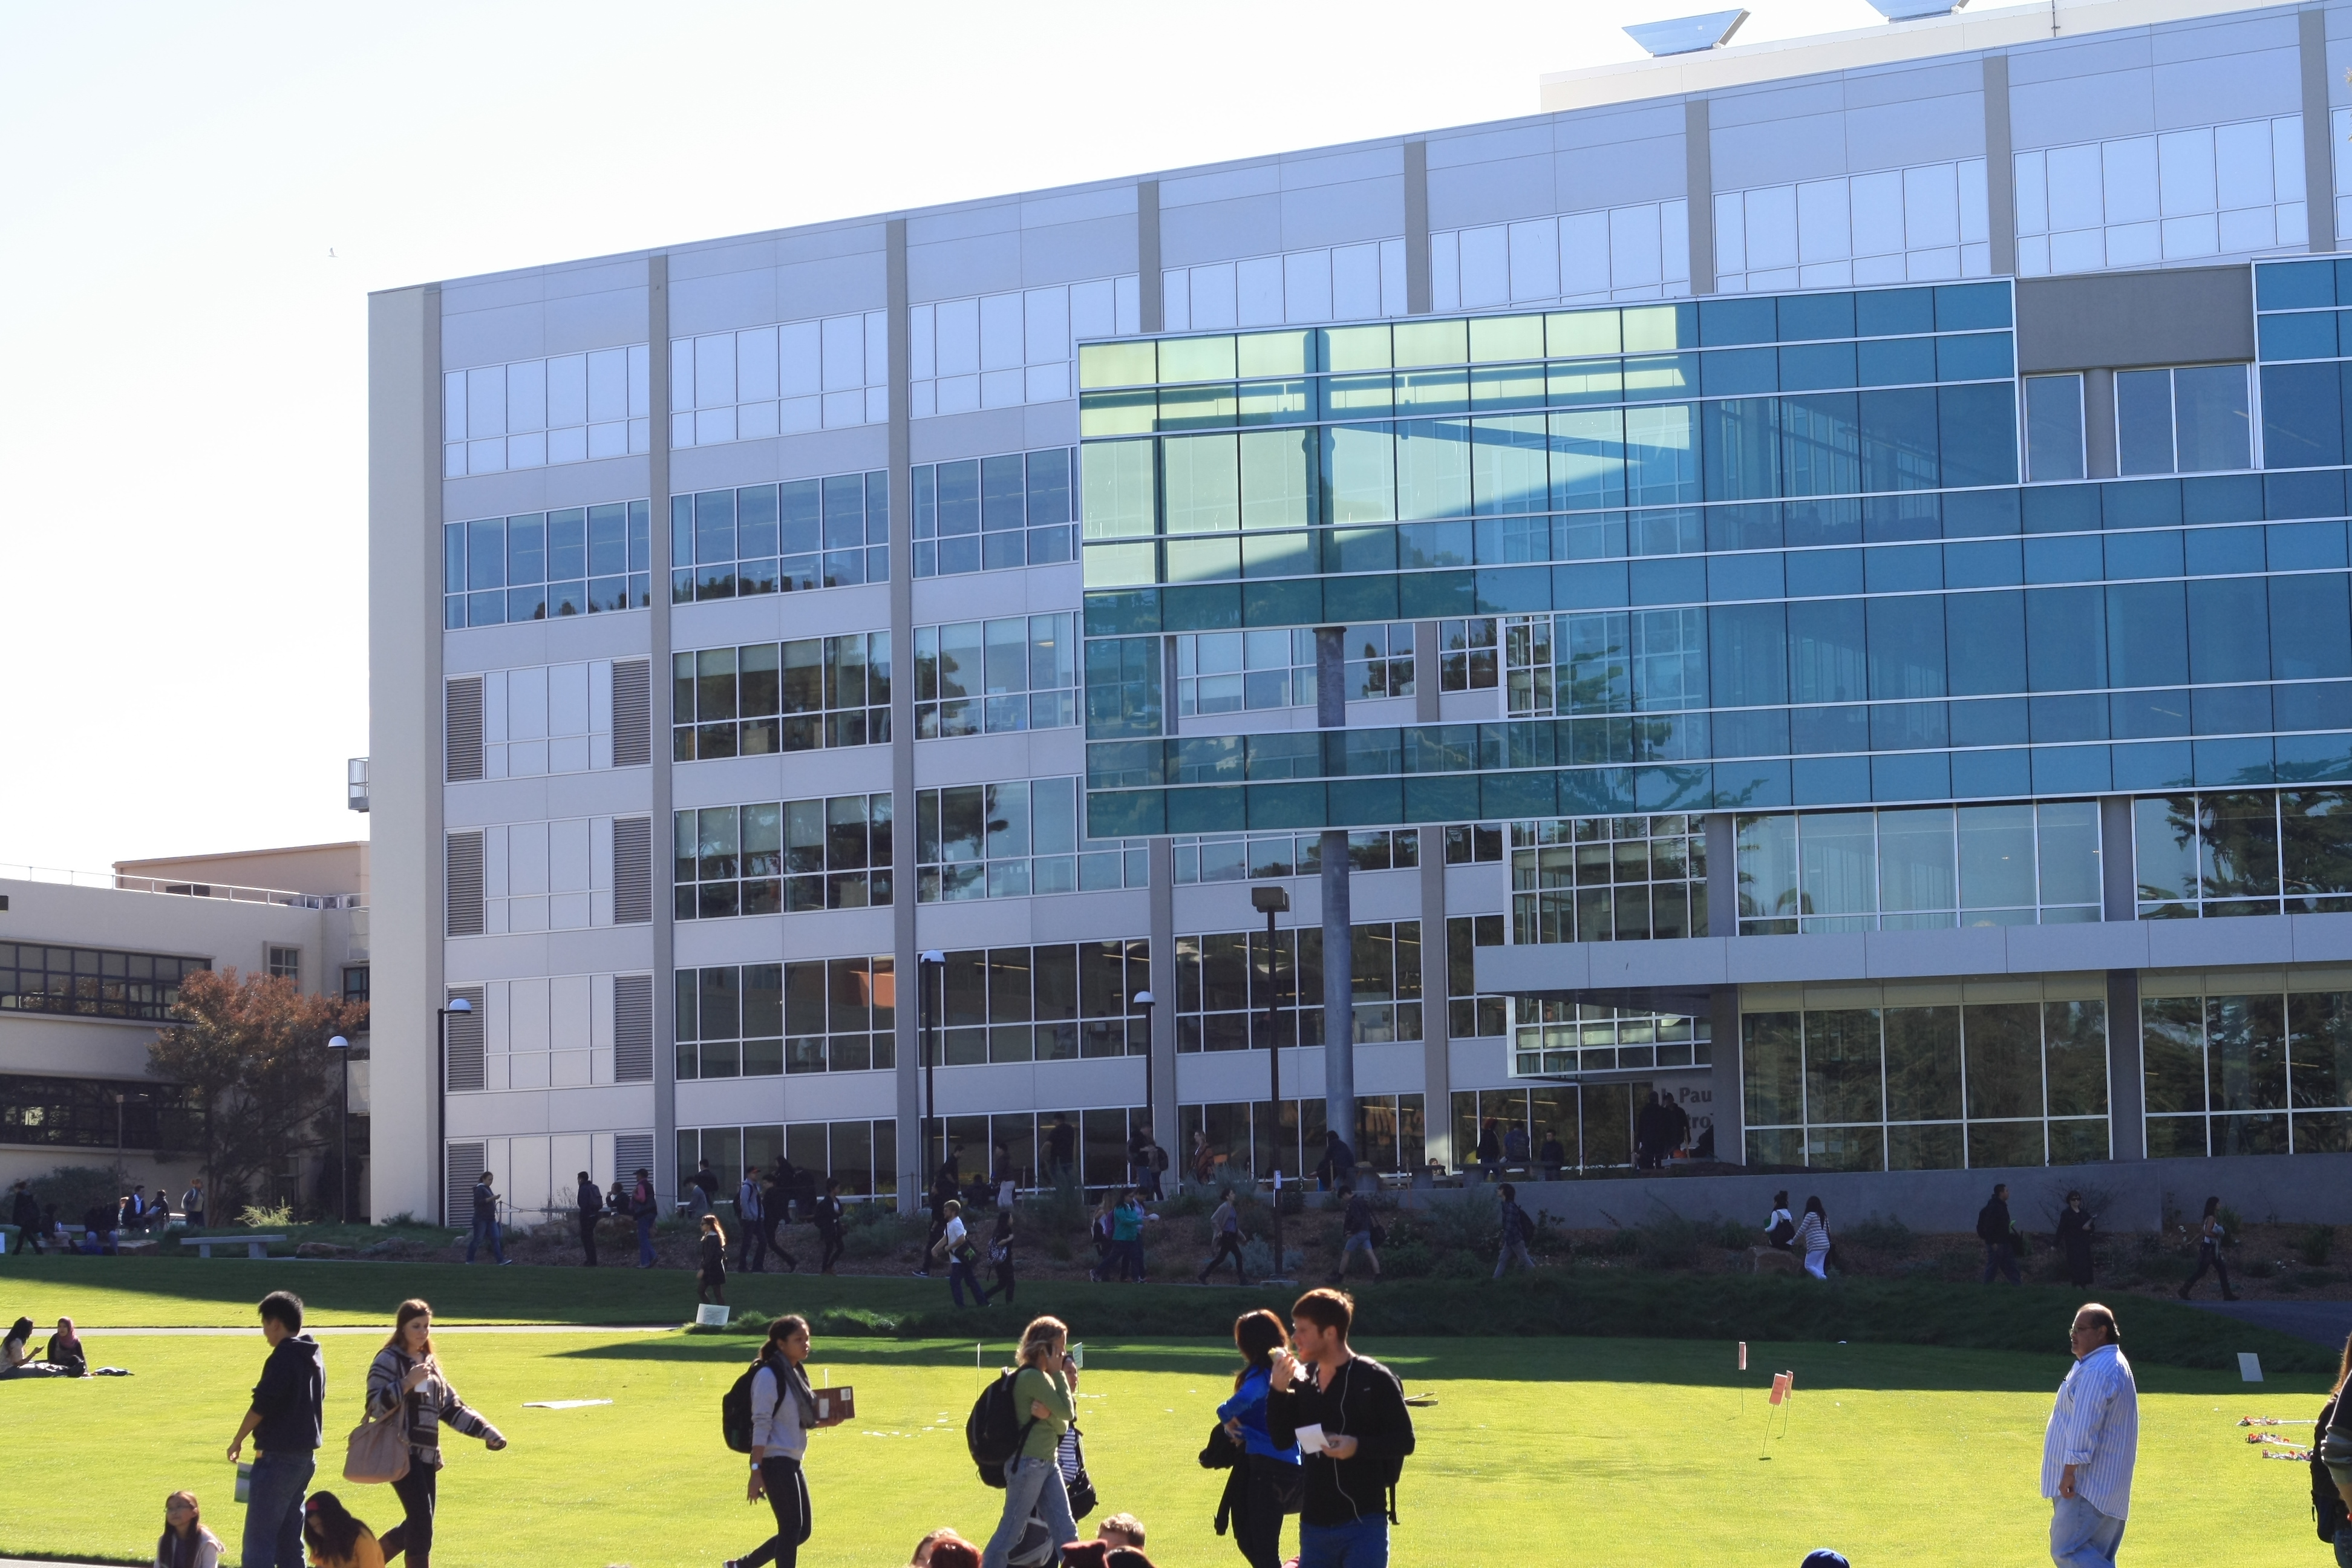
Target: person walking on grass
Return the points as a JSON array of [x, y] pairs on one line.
[[24, 1213], [1993, 1228], [828, 1224], [192, 1205], [1225, 1230], [1000, 1253], [2211, 1236], [1365, 1432], [783, 1413], [185, 1543], [644, 1209], [1813, 1238], [406, 1373], [710, 1281], [962, 1258], [590, 1209], [750, 1214], [1268, 1485], [2075, 1228], [2090, 1445], [1127, 1236], [336, 1539], [1044, 1391], [776, 1208], [1358, 1224], [1516, 1228], [286, 1421], [486, 1220]]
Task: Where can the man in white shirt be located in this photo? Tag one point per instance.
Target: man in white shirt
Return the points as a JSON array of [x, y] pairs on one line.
[[2088, 1451]]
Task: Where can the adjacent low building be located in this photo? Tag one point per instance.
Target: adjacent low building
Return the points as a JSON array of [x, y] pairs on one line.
[[1809, 580]]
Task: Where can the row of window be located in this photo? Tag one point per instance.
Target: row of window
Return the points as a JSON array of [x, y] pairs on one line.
[[1550, 1039], [1060, 1002], [863, 1156], [2252, 1074], [1488, 340], [91, 981], [1593, 1123], [1039, 1147], [756, 1020], [527, 415], [1011, 840], [575, 561], [1469, 1014], [760, 699], [780, 380], [1927, 1088], [2137, 201], [994, 677], [783, 856], [1250, 1138], [1924, 867], [99, 1113], [987, 514], [1925, 222], [786, 538], [2185, 420], [1625, 879], [1224, 992], [1235, 858]]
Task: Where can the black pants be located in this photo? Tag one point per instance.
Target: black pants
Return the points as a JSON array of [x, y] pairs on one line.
[[788, 1495], [751, 1250], [588, 1239], [710, 1282], [1228, 1246], [1006, 1280], [2208, 1257], [768, 1231], [1259, 1531], [417, 1490], [833, 1247]]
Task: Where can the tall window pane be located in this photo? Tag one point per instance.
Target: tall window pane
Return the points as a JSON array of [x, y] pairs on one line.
[[2054, 427]]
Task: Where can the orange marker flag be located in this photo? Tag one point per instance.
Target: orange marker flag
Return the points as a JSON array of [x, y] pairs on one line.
[[1781, 1383]]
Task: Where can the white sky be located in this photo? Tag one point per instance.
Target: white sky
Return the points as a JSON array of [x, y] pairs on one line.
[[194, 201]]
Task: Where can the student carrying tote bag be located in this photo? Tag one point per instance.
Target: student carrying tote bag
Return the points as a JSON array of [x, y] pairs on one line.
[[376, 1453]]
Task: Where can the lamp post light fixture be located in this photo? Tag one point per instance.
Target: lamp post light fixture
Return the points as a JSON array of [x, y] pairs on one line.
[[463, 1007], [932, 960], [1274, 899], [342, 1049]]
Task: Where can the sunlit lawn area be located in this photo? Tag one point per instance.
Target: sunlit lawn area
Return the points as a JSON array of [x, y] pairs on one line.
[[1601, 1451]]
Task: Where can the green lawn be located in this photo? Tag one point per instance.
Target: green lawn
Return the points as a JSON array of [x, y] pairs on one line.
[[1889, 1453]]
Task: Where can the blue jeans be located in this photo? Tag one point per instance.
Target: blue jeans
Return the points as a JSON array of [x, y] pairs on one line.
[[2000, 1258], [644, 1241], [2344, 1546], [1364, 1544], [961, 1274], [273, 1510], [2080, 1535], [1032, 1485], [489, 1228]]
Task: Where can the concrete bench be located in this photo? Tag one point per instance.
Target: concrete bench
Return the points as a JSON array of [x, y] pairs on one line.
[[254, 1246]]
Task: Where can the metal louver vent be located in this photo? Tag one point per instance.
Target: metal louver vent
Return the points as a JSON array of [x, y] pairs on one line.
[[633, 1032], [632, 1152], [632, 713], [464, 1068], [462, 715], [463, 1168], [633, 870], [464, 883]]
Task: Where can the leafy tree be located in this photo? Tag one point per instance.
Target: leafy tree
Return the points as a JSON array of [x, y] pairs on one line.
[[252, 1053]]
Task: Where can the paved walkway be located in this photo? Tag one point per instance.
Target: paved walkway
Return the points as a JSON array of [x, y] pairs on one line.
[[2322, 1322]]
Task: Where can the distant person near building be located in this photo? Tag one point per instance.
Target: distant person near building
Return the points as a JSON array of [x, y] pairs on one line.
[[1998, 1232], [2211, 1236], [2074, 1226], [1516, 1230], [486, 1220], [2090, 1446], [591, 1207]]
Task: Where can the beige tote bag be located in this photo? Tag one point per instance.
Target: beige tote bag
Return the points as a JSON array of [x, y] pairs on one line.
[[376, 1453]]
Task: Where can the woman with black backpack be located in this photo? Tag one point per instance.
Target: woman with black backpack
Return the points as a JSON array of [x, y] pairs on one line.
[[783, 1413]]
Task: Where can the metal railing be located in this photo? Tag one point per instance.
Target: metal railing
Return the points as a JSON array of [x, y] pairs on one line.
[[180, 888]]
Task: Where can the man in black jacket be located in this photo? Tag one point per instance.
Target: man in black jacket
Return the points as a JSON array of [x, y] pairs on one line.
[[26, 1216], [1993, 1230], [1357, 1406], [591, 1208], [285, 1424]]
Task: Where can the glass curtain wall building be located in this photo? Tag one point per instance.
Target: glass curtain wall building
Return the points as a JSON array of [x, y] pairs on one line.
[[1834, 554]]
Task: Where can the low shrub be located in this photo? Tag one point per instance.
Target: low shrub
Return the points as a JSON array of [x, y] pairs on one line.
[[2313, 1245]]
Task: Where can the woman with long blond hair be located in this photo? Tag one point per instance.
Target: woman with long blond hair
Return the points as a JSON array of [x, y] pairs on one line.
[[1044, 1391], [406, 1373], [185, 1543]]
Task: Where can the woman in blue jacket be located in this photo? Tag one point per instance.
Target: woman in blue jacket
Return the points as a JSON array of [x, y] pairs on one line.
[[1273, 1486]]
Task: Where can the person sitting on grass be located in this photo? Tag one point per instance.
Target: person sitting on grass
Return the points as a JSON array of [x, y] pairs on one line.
[[710, 1285], [65, 1351], [337, 1539], [16, 1355], [185, 1543], [1121, 1529], [929, 1544]]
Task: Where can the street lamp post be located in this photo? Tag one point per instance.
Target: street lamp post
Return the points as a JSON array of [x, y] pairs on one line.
[[1151, 1122], [932, 961], [342, 1048], [459, 1005], [1274, 899]]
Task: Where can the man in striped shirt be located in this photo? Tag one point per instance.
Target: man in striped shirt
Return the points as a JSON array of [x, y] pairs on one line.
[[2088, 1452]]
